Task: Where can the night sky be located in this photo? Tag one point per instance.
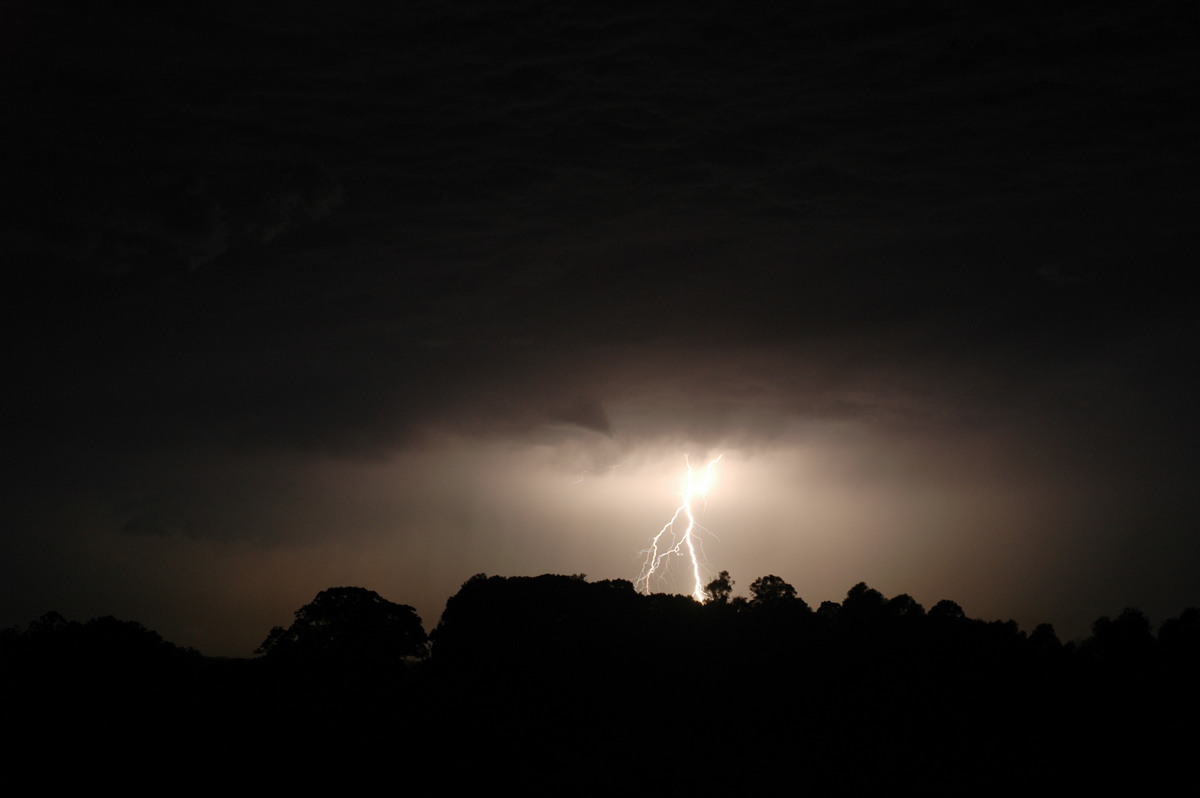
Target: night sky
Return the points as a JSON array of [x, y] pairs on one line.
[[299, 295]]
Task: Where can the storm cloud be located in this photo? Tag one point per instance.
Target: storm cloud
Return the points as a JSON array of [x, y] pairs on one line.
[[395, 296]]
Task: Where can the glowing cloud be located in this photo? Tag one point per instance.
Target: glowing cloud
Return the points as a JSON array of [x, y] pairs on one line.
[[668, 542]]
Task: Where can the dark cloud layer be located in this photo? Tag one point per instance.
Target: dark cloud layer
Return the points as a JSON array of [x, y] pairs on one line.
[[246, 239]]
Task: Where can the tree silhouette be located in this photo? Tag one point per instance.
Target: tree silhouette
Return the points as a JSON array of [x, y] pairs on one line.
[[1126, 641], [771, 590], [947, 610], [1044, 640], [1179, 638], [348, 626], [905, 606], [863, 607], [720, 589], [501, 622]]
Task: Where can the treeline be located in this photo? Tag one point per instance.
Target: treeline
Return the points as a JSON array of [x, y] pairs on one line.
[[516, 624], [540, 675]]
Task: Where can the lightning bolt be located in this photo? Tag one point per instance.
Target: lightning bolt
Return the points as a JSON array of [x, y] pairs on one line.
[[670, 543]]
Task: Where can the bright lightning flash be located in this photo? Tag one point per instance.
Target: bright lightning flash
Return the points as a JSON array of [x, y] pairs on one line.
[[669, 542]]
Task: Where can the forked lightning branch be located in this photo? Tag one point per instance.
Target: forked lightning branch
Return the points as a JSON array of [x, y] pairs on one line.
[[679, 536]]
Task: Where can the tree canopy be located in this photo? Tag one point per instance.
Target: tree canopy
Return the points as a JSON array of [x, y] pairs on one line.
[[719, 590], [771, 590], [349, 626]]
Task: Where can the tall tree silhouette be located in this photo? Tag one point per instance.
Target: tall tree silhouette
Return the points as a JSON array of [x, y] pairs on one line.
[[719, 590]]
